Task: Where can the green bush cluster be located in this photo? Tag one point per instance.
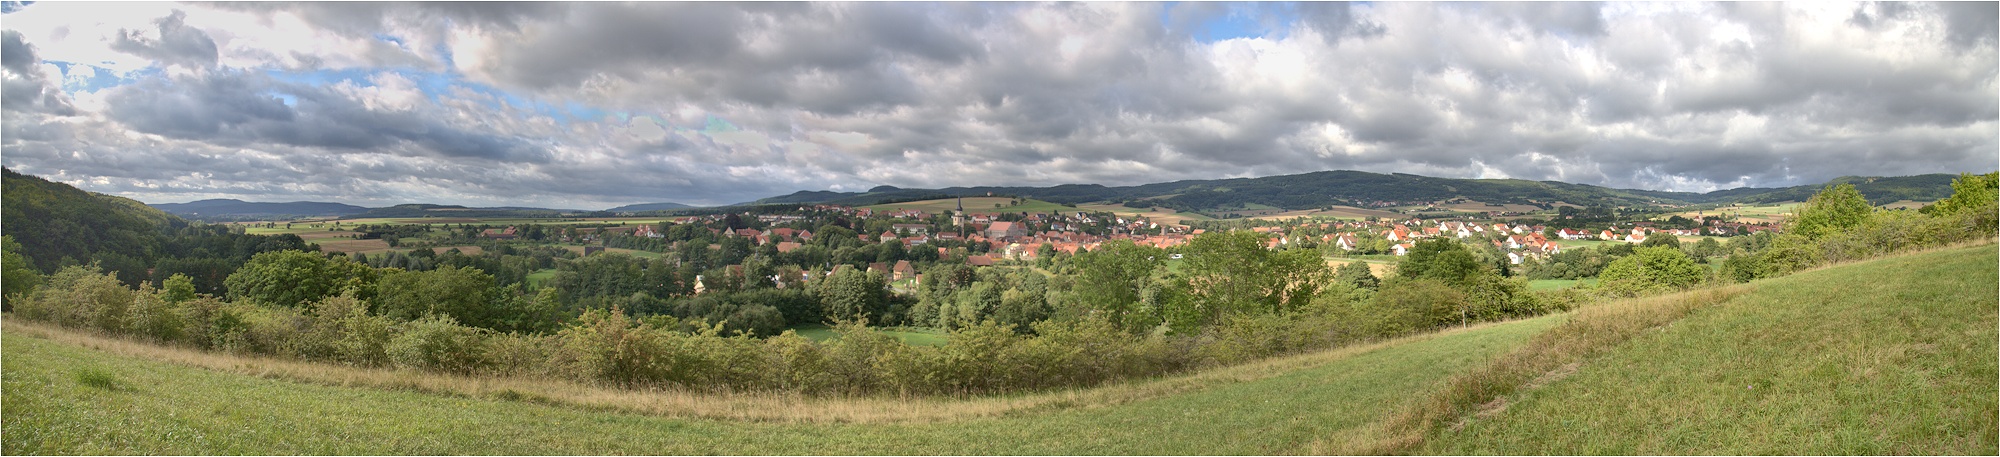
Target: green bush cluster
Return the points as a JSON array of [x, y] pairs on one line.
[[1833, 228]]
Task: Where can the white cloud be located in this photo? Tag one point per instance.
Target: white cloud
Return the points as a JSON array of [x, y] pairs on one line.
[[550, 103]]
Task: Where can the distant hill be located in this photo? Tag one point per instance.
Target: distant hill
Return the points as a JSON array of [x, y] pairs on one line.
[[232, 208], [448, 211], [662, 206], [1357, 188]]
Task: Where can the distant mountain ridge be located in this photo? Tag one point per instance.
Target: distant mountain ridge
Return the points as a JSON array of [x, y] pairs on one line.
[[661, 206], [233, 207], [1358, 188]]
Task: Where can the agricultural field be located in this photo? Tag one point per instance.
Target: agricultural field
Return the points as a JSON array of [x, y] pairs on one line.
[[1248, 210], [1159, 215], [1338, 212], [1756, 214], [630, 252], [976, 205], [1380, 268], [1905, 204], [1481, 207]]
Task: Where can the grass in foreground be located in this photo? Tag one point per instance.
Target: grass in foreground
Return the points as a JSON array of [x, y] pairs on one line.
[[1894, 356], [166, 408]]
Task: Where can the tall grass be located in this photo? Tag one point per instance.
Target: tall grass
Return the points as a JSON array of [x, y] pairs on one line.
[[703, 404]]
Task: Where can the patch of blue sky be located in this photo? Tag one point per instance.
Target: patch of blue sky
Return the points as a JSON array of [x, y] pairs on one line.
[[436, 85], [391, 39], [717, 124], [12, 6], [1238, 20], [76, 80]]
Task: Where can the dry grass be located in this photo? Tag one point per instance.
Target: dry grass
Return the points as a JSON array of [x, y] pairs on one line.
[[755, 407], [352, 245]]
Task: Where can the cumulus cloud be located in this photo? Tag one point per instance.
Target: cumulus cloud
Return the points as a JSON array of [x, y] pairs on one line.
[[600, 104]]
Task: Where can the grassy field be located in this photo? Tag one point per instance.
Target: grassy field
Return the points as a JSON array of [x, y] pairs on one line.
[[1158, 215], [1905, 204], [55, 405], [908, 335], [1547, 284], [1338, 212], [976, 205], [1891, 357], [536, 279], [1756, 214]]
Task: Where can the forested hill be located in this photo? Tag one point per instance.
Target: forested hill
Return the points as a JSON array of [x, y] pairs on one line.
[[1923, 188], [57, 225], [1327, 188], [662, 206], [53, 222]]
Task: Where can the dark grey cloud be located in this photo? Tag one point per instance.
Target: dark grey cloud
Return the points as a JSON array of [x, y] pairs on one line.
[[1971, 24], [24, 87], [176, 43], [238, 109]]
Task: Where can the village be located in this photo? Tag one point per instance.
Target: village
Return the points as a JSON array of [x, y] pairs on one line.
[[982, 238]]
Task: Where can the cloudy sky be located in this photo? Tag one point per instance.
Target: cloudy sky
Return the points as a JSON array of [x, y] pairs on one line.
[[592, 105]]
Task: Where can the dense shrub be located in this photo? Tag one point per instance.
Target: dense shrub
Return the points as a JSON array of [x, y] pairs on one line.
[[81, 297], [1651, 270], [437, 343]]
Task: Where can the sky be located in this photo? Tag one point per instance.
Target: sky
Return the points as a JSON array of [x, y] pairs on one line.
[[594, 105]]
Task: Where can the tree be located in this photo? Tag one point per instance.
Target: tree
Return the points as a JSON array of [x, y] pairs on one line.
[[1233, 273], [1832, 210], [177, 288], [1357, 274], [1969, 192], [1661, 239], [850, 295], [465, 294], [292, 278], [18, 277], [1651, 269], [1440, 259], [1109, 278]]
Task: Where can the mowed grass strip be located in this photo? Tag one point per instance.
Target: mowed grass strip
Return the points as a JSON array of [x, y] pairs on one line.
[[159, 407], [1894, 356]]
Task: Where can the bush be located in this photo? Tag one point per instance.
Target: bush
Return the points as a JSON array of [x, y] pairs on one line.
[[352, 335], [155, 318], [437, 343], [80, 297], [1651, 270]]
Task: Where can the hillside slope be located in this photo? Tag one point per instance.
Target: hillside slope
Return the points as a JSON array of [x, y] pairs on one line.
[[54, 221], [155, 407], [1893, 356], [1887, 356]]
